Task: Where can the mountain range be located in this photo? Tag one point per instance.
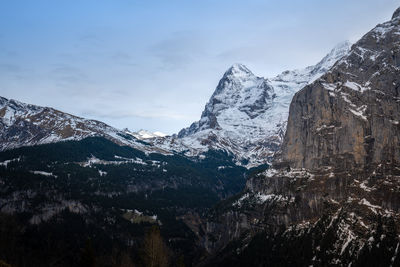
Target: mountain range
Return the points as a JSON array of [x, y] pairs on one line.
[[302, 169], [246, 116]]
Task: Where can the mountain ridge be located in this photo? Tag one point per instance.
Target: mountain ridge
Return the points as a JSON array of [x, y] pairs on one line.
[[26, 125]]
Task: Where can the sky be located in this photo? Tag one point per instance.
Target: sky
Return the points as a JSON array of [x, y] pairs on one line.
[[147, 64]]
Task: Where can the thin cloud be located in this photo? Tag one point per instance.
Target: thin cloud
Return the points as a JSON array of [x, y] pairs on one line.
[[123, 114], [65, 74], [178, 50], [11, 68], [155, 66]]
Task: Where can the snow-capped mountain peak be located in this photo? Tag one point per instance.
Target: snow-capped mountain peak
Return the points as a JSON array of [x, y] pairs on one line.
[[238, 71], [239, 88], [247, 115], [338, 52], [240, 96], [235, 79]]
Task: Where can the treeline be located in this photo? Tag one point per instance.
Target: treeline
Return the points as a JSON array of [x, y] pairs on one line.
[[164, 186]]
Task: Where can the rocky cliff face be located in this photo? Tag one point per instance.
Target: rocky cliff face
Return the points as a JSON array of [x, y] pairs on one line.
[[246, 115], [335, 189], [350, 117]]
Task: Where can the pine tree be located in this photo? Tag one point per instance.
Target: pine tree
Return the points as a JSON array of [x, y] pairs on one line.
[[154, 251], [3, 264], [180, 262], [87, 256], [126, 260]]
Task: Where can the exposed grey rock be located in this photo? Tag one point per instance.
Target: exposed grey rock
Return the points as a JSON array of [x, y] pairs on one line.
[[340, 164], [350, 117]]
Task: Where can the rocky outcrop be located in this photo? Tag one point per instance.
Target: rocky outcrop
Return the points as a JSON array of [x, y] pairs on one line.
[[350, 117], [336, 182]]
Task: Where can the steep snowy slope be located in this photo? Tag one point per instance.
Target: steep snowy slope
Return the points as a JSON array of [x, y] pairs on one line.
[[25, 125], [247, 115]]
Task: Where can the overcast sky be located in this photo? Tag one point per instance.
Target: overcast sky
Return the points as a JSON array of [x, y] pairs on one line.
[[154, 64]]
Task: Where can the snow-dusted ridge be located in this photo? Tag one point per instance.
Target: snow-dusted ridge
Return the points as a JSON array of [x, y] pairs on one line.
[[25, 125]]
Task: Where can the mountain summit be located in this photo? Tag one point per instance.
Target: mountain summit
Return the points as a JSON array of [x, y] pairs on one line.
[[238, 71], [246, 115], [240, 95]]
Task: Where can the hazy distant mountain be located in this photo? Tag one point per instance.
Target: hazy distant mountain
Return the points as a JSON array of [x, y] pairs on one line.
[[143, 134]]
